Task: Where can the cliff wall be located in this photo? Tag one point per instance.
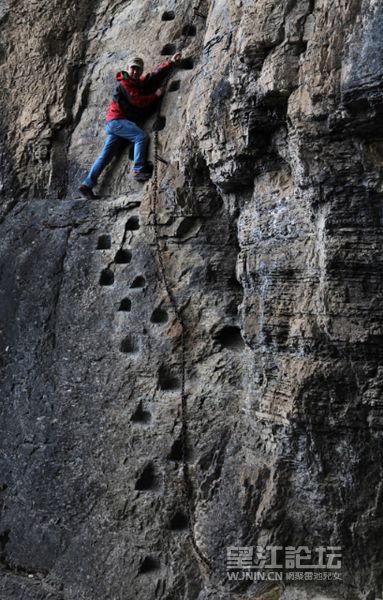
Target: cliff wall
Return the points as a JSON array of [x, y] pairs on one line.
[[270, 226]]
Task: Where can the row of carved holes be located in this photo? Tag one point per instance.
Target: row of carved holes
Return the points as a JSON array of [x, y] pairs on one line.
[[147, 479], [228, 337], [170, 15], [189, 30], [129, 344], [123, 256]]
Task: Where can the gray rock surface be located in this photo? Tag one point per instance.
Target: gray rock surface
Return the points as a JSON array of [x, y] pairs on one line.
[[270, 225]]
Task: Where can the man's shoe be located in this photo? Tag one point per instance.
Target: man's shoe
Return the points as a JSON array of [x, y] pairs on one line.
[[141, 175], [87, 192], [148, 167]]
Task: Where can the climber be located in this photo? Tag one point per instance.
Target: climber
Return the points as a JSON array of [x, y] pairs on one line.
[[135, 97]]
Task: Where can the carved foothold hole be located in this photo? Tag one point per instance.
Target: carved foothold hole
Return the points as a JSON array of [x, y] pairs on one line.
[[125, 305], [104, 242], [232, 308], [168, 49], [159, 123], [123, 256], [4, 539], [129, 345], [138, 282], [186, 63], [132, 224], [159, 315], [167, 381], [189, 226], [174, 86], [141, 416], [178, 522], [189, 30], [230, 337], [149, 564], [146, 480], [169, 15], [106, 277], [176, 452], [235, 284]]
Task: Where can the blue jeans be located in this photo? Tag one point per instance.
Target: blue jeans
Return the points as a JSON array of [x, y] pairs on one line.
[[119, 130]]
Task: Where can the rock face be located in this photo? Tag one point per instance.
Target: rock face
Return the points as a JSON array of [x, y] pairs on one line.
[[270, 227]]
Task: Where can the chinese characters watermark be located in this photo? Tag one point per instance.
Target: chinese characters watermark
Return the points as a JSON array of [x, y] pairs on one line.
[[289, 563]]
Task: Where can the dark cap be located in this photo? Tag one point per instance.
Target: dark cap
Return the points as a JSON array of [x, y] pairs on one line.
[[136, 62]]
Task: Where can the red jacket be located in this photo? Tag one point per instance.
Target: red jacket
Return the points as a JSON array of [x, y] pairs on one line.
[[135, 99]]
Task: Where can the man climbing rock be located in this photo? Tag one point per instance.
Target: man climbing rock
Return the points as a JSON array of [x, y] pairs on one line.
[[135, 97]]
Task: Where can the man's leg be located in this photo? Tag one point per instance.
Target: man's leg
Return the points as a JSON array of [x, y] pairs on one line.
[[111, 146], [140, 150], [132, 132]]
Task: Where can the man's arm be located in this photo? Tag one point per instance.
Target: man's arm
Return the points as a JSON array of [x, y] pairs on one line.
[[151, 81], [133, 98]]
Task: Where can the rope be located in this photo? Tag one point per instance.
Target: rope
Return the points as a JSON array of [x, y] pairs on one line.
[[188, 488]]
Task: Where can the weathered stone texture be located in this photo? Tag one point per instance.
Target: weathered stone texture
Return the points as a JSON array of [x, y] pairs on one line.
[[270, 223]]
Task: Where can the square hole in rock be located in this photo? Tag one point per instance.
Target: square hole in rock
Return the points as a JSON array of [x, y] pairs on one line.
[[132, 224], [104, 242], [186, 63], [159, 315], [174, 86], [167, 380], [138, 282], [123, 256], [159, 123], [168, 15], [168, 49], [129, 345], [147, 479], [106, 277], [125, 305], [189, 30]]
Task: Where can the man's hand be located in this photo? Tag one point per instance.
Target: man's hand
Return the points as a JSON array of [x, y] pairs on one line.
[[176, 58], [160, 92]]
